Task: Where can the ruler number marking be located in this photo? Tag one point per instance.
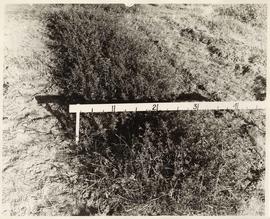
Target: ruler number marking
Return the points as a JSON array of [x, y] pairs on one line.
[[196, 106], [155, 107]]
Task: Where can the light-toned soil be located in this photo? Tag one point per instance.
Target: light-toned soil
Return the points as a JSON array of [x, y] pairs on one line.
[[38, 177]]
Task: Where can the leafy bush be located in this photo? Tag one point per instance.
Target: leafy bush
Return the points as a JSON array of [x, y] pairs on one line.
[[144, 163], [99, 61]]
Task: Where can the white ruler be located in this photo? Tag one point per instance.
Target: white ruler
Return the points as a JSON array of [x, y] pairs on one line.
[[159, 106]]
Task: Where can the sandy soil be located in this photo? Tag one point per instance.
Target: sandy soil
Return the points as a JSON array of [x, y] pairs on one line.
[[38, 174]]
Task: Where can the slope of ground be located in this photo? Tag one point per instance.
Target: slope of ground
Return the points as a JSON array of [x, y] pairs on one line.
[[225, 56]]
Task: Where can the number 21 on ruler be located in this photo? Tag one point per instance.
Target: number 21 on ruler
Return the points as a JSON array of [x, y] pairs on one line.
[[155, 107]]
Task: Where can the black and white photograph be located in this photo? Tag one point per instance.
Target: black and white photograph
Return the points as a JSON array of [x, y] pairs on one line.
[[134, 110]]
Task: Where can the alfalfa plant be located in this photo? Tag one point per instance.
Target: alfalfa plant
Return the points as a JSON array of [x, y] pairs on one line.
[[142, 163]]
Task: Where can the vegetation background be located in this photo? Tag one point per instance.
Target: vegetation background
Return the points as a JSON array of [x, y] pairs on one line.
[[157, 163]]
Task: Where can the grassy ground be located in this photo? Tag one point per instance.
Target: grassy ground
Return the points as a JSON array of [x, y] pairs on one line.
[[224, 59]]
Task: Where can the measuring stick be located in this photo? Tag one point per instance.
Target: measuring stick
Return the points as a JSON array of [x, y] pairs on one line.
[[159, 106]]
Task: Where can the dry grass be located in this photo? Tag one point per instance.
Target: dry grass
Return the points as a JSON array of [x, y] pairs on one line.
[[221, 53]]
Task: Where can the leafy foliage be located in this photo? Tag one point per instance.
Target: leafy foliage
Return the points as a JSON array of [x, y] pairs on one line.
[[145, 163], [99, 60]]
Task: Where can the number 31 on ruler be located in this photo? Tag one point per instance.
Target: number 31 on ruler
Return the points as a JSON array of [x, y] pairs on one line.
[[196, 106]]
